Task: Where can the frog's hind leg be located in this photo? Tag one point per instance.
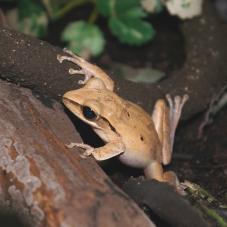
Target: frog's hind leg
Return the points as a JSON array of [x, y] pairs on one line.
[[161, 121], [175, 109], [166, 120], [155, 171]]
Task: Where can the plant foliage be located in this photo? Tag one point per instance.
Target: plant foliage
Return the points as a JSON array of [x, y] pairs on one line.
[[32, 18], [126, 20], [83, 36]]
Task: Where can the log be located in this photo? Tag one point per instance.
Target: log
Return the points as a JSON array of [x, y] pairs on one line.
[[44, 182], [164, 204], [32, 63]]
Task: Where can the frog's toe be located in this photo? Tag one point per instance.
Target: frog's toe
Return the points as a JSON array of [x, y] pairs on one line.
[[71, 145], [81, 82], [170, 100], [180, 188], [67, 51], [185, 98], [87, 153], [60, 58]]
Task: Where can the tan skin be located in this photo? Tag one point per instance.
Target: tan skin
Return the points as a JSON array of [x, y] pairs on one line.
[[129, 132]]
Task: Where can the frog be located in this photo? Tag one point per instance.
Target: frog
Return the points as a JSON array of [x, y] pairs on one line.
[[128, 131]]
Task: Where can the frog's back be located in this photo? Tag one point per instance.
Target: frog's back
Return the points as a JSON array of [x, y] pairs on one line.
[[133, 125], [141, 139], [139, 122], [127, 117], [139, 135]]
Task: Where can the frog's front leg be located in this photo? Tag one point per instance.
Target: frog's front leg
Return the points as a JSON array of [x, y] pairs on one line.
[[105, 152], [87, 69], [166, 120]]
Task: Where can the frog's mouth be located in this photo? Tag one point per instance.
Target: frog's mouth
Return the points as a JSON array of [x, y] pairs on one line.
[[72, 106]]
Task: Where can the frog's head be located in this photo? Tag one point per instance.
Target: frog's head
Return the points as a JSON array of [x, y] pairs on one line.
[[84, 107], [93, 107]]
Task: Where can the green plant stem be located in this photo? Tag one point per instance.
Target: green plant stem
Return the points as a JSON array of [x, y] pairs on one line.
[[93, 17], [213, 214], [69, 6]]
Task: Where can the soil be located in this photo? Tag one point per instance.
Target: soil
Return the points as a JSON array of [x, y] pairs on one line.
[[204, 161]]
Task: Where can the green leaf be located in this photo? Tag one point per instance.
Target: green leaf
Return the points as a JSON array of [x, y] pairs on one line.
[[32, 17], [106, 7], [125, 20], [133, 32], [82, 36], [123, 6], [115, 7], [135, 12]]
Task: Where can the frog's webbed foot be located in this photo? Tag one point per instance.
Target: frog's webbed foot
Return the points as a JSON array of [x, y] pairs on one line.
[[86, 73], [155, 171], [171, 178], [79, 61], [81, 71], [88, 149], [87, 69], [175, 106], [181, 189]]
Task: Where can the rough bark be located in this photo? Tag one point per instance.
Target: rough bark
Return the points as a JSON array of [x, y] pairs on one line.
[[46, 183]]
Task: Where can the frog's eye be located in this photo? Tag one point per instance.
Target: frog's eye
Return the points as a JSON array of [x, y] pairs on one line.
[[89, 113]]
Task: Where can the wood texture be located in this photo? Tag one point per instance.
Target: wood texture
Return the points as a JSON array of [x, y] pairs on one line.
[[46, 183]]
